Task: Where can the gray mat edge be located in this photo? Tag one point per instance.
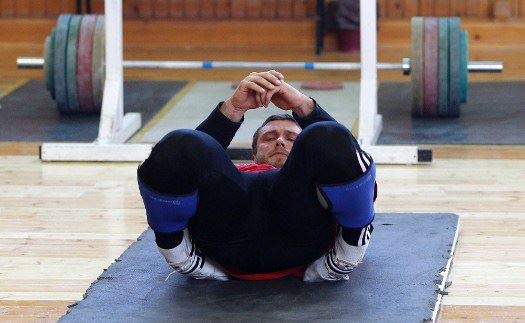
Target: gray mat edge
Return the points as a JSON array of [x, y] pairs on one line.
[[446, 273]]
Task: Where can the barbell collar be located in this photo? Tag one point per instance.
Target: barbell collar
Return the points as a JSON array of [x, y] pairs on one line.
[[30, 62], [473, 66], [405, 65], [485, 67]]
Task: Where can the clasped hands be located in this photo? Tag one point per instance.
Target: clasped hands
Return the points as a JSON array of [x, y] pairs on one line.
[[259, 89]]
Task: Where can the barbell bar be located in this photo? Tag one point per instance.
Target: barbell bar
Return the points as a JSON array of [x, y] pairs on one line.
[[473, 66]]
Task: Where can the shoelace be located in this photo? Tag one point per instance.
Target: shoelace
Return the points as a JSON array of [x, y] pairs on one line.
[[165, 280]]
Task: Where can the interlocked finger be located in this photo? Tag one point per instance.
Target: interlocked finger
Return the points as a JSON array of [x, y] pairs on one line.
[[252, 86], [261, 81], [277, 74], [268, 96], [260, 99], [272, 76]]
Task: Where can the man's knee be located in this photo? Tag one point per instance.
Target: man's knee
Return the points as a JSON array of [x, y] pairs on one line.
[[175, 155], [327, 135], [182, 141], [332, 152], [184, 146]]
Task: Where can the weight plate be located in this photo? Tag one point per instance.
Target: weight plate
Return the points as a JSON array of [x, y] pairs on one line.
[[443, 68], [59, 63], [50, 81], [430, 66], [454, 42], [98, 62], [464, 66], [71, 70], [84, 63], [416, 66], [47, 60]]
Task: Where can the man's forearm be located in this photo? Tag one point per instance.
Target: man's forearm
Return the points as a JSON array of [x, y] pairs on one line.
[[219, 126], [231, 112], [305, 108], [311, 113]]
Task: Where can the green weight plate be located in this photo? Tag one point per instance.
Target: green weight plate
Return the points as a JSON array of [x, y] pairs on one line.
[[98, 61], [464, 67], [47, 60], [416, 66], [71, 70], [50, 81], [454, 42], [430, 66], [59, 63], [443, 68], [84, 63]]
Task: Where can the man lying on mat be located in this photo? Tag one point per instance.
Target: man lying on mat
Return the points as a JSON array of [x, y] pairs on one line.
[[303, 208]]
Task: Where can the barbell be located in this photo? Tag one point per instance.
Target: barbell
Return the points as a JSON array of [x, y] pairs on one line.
[[74, 56]]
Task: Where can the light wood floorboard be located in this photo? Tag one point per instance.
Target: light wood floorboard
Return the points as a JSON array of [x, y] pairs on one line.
[[61, 224]]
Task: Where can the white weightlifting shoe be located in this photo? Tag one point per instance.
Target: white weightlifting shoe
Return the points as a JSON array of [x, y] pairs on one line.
[[188, 260], [341, 260]]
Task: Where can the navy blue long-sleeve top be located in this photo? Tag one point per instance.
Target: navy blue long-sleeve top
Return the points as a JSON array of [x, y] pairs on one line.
[[223, 129]]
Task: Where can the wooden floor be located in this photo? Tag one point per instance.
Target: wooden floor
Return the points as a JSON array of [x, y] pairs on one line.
[[61, 224]]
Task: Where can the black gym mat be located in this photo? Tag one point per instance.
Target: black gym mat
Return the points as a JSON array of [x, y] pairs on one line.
[[395, 283], [29, 113], [493, 115]]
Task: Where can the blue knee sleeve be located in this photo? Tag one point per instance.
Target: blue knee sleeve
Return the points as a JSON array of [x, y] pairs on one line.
[[352, 203], [168, 213]]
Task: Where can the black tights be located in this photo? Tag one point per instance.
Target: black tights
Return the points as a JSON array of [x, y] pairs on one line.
[[259, 222]]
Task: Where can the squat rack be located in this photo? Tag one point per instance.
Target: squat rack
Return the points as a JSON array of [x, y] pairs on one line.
[[115, 127]]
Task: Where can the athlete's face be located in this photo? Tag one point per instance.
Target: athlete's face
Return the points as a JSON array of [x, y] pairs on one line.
[[275, 141]]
